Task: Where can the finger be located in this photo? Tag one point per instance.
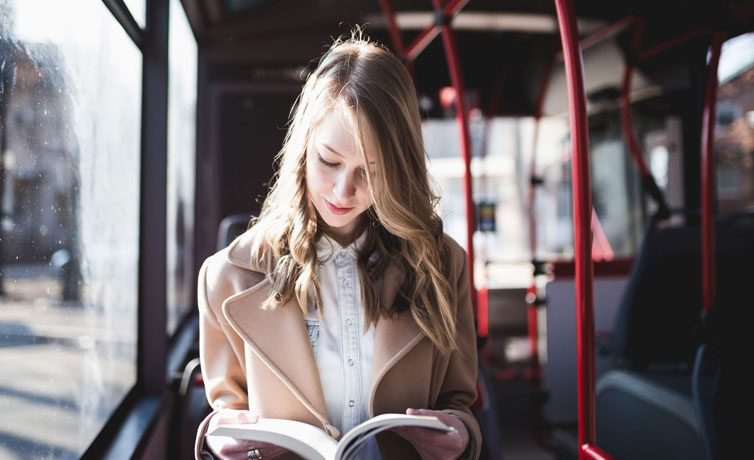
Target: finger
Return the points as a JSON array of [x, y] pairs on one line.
[[432, 439], [227, 416], [443, 416]]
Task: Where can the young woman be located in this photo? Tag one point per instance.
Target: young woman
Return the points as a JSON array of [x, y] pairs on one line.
[[344, 299]]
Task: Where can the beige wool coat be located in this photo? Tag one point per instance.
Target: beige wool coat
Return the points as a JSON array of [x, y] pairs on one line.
[[262, 360]]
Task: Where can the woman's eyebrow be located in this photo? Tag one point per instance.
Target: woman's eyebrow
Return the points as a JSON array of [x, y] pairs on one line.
[[336, 152]]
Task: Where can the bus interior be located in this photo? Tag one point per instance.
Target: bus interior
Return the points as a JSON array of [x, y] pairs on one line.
[[595, 159]]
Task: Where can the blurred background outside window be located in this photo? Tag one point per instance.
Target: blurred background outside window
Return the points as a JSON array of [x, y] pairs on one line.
[[70, 134]]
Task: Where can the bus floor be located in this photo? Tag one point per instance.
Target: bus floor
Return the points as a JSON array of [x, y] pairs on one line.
[[517, 423]]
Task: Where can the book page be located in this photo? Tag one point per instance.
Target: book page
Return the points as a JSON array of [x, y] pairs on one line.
[[300, 438], [351, 441]]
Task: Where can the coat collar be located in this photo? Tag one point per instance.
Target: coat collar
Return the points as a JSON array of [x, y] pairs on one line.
[[280, 340], [328, 249]]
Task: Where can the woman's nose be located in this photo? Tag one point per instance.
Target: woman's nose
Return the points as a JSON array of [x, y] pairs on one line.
[[344, 186]]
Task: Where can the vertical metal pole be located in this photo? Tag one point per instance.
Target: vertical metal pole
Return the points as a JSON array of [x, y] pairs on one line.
[[395, 36], [456, 76], [648, 182], [709, 296], [392, 26], [152, 355], [582, 214], [533, 296]]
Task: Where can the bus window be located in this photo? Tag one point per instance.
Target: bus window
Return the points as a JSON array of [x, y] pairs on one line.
[[734, 131], [182, 74], [70, 121], [138, 9]]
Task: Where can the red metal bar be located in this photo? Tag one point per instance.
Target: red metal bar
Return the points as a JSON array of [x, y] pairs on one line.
[[602, 33], [626, 123], [582, 209], [483, 322], [648, 181], [533, 294], [532, 324], [672, 43], [395, 34], [392, 26], [601, 248], [594, 453], [421, 42], [456, 76], [454, 7], [543, 87], [708, 177], [619, 266], [429, 34]]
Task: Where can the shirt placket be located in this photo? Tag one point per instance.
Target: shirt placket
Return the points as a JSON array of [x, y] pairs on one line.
[[350, 339]]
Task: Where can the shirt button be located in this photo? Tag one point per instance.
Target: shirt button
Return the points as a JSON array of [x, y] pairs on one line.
[[350, 361], [349, 322], [344, 281], [351, 403]]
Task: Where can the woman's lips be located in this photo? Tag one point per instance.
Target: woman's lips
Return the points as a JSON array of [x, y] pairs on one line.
[[336, 210]]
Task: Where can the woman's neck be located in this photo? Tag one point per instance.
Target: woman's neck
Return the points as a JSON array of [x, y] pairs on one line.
[[345, 235]]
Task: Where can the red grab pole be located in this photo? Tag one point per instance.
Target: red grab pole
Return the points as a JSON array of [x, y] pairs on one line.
[[429, 34], [456, 76], [392, 27], [628, 129], [582, 236], [594, 453], [708, 177]]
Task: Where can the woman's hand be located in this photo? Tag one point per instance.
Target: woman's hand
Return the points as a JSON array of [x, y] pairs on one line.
[[227, 448], [433, 444]]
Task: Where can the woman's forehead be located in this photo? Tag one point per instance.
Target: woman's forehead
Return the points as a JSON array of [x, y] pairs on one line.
[[337, 134]]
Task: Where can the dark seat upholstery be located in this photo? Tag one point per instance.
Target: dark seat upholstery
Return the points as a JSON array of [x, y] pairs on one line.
[[192, 404], [231, 227], [659, 404]]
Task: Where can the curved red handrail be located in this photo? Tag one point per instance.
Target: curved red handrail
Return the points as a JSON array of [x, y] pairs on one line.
[[708, 177], [582, 209], [628, 129]]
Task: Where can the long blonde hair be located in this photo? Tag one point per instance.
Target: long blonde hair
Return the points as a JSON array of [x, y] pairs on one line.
[[373, 91]]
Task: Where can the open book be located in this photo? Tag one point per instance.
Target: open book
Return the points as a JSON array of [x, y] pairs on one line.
[[313, 443]]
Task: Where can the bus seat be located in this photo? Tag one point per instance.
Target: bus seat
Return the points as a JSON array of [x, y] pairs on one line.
[[658, 318], [192, 404], [679, 392], [231, 227], [648, 418], [661, 303]]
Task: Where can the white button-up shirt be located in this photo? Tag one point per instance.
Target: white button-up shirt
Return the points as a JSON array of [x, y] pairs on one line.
[[342, 350]]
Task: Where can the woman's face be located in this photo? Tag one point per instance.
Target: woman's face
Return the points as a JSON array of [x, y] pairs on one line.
[[336, 178]]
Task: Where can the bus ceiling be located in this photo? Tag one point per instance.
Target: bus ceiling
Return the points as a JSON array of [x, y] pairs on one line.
[[498, 41]]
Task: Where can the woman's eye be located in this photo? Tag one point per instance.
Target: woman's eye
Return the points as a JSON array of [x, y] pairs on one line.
[[327, 163]]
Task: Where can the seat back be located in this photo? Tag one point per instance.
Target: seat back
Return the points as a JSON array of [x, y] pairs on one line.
[[231, 227], [658, 318]]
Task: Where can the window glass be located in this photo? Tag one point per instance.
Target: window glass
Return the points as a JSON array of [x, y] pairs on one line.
[[734, 131], [501, 187], [138, 9], [500, 183], [70, 105], [182, 83]]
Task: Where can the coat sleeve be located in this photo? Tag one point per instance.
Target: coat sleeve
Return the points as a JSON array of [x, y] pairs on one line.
[[221, 351], [459, 391]]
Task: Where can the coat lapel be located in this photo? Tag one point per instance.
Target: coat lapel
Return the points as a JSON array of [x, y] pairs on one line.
[[278, 337], [394, 337], [280, 340]]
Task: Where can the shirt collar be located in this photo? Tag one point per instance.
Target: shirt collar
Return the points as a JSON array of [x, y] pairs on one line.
[[328, 248]]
